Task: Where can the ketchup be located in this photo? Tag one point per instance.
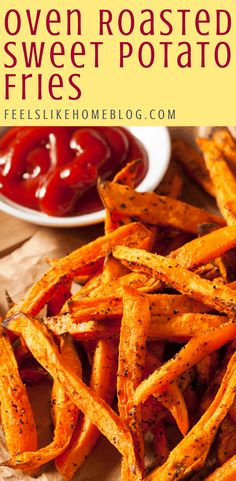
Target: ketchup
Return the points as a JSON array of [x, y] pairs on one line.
[[55, 169]]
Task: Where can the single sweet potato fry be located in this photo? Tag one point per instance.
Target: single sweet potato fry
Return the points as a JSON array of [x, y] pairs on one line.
[[126, 176], [108, 307], [179, 328], [131, 363], [94, 309], [232, 411], [227, 144], [172, 304], [153, 209], [58, 396], [206, 248], [172, 399], [222, 178], [182, 327], [16, 413], [193, 163]]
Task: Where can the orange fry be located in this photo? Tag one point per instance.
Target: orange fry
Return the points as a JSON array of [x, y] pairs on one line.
[[179, 328], [153, 209], [193, 163], [160, 304], [222, 178], [16, 413], [182, 327], [133, 336], [206, 248], [126, 176], [226, 440], [94, 309], [172, 399], [227, 144]]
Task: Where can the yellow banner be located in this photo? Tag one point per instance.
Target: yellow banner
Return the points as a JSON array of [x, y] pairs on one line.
[[133, 63]]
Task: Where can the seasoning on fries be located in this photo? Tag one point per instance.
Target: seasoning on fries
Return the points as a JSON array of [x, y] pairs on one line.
[[156, 333], [155, 209], [222, 178], [193, 163]]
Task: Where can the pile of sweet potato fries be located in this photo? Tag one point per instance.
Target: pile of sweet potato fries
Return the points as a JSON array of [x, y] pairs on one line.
[[155, 318]]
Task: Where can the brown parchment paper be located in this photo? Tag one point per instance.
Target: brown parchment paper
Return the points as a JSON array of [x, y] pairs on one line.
[[18, 271]]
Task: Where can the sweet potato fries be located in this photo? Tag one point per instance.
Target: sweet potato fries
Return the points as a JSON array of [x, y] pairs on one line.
[[145, 349]]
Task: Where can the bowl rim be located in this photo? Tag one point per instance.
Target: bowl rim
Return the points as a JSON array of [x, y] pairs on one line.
[[148, 184]]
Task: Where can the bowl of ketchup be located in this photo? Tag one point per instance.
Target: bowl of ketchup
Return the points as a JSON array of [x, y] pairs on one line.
[[48, 175]]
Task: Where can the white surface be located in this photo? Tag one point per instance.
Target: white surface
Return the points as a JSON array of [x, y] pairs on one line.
[[157, 143]]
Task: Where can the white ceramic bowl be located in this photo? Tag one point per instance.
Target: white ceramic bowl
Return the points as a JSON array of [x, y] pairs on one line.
[[157, 143]]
